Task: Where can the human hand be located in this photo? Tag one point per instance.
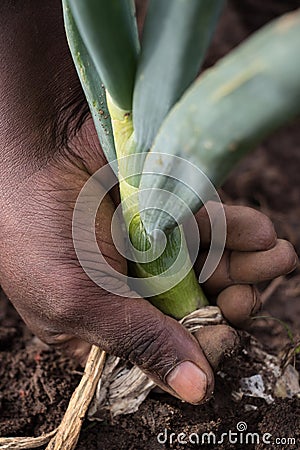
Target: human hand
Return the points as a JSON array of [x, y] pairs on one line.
[[50, 148]]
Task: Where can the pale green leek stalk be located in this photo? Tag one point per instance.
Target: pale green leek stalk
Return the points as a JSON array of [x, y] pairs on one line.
[[186, 295]]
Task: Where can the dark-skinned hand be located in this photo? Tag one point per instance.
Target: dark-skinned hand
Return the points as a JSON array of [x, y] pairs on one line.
[[49, 149]]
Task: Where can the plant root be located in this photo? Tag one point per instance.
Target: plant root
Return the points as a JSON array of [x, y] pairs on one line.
[[68, 431], [19, 443]]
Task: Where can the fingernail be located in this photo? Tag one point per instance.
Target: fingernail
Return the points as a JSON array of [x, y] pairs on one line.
[[188, 381]]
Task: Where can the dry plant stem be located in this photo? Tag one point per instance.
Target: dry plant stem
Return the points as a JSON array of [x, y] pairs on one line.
[[18, 443], [68, 431], [272, 287]]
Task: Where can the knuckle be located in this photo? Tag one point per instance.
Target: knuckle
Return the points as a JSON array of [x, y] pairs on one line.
[[261, 231], [287, 255], [72, 292], [62, 310], [267, 236], [238, 303], [145, 348]]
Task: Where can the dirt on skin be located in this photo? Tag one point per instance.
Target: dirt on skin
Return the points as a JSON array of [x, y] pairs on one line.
[[36, 381]]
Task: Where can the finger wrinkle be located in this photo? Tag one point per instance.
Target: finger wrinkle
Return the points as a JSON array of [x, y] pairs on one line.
[[228, 267]]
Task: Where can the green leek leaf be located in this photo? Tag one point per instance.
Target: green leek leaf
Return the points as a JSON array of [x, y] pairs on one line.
[[91, 84], [175, 39], [226, 112], [108, 29]]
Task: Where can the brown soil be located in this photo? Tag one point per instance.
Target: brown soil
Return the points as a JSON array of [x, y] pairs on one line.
[[36, 382]]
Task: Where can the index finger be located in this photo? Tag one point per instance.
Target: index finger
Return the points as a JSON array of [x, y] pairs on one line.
[[247, 229]]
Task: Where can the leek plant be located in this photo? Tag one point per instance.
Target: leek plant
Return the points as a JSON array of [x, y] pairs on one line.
[[158, 120]]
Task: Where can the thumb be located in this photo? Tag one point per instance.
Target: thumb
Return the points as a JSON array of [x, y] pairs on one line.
[[174, 359], [133, 329]]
